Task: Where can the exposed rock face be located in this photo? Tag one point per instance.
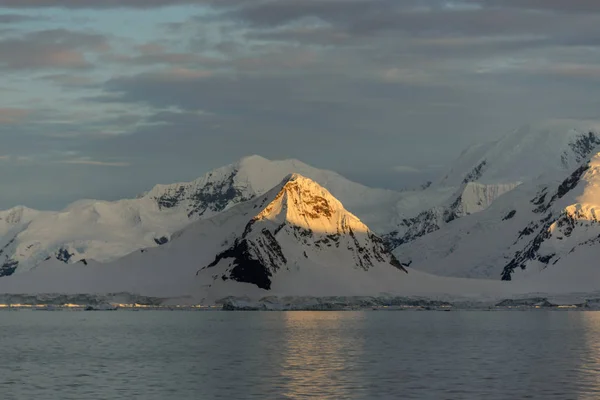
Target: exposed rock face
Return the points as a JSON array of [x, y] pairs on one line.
[[582, 147], [474, 175], [548, 227], [105, 231], [8, 268], [214, 195], [63, 255], [561, 230], [161, 240], [471, 198], [299, 222], [487, 172]]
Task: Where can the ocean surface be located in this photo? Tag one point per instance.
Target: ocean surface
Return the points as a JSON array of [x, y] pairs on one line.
[[277, 355]]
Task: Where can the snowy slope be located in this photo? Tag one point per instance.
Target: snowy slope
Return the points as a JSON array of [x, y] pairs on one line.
[[97, 230], [105, 231], [548, 147], [470, 198], [538, 227], [301, 234], [295, 240], [253, 176], [16, 217], [485, 172]]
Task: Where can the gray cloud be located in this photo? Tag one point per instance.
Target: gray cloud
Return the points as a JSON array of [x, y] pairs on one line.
[[437, 28], [273, 13], [569, 6], [68, 80], [57, 48], [311, 35], [15, 18], [105, 4], [149, 59], [364, 87], [462, 22], [154, 53], [292, 9], [97, 163], [438, 18], [265, 113], [13, 115], [288, 97]]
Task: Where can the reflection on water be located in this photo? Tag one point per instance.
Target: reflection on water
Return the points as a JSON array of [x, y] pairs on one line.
[[323, 355], [589, 368], [318, 361]]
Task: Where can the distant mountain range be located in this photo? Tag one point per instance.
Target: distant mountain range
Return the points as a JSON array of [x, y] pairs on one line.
[[482, 173], [509, 209], [294, 240], [547, 225], [105, 231]]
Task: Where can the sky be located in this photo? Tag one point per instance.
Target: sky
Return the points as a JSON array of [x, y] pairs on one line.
[[105, 98]]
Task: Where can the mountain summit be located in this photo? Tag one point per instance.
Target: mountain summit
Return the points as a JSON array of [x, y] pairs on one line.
[[254, 176], [296, 239], [547, 230], [485, 172], [299, 226], [550, 147], [105, 231]]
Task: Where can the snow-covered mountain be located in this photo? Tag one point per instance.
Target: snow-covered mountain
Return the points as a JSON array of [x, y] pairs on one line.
[[483, 176], [550, 147], [544, 226], [97, 230], [105, 231], [15, 217], [254, 176], [485, 172], [302, 231], [297, 239], [470, 198]]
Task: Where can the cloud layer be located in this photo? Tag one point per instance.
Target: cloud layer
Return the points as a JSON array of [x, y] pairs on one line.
[[378, 90]]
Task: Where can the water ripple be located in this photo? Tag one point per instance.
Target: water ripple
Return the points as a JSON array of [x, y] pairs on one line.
[[297, 355]]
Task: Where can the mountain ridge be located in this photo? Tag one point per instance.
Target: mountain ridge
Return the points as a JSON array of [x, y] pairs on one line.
[[90, 231], [485, 172], [537, 230], [300, 240], [104, 231], [297, 211]]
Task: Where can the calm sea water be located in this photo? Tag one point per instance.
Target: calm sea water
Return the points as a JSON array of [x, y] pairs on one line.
[[325, 355]]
